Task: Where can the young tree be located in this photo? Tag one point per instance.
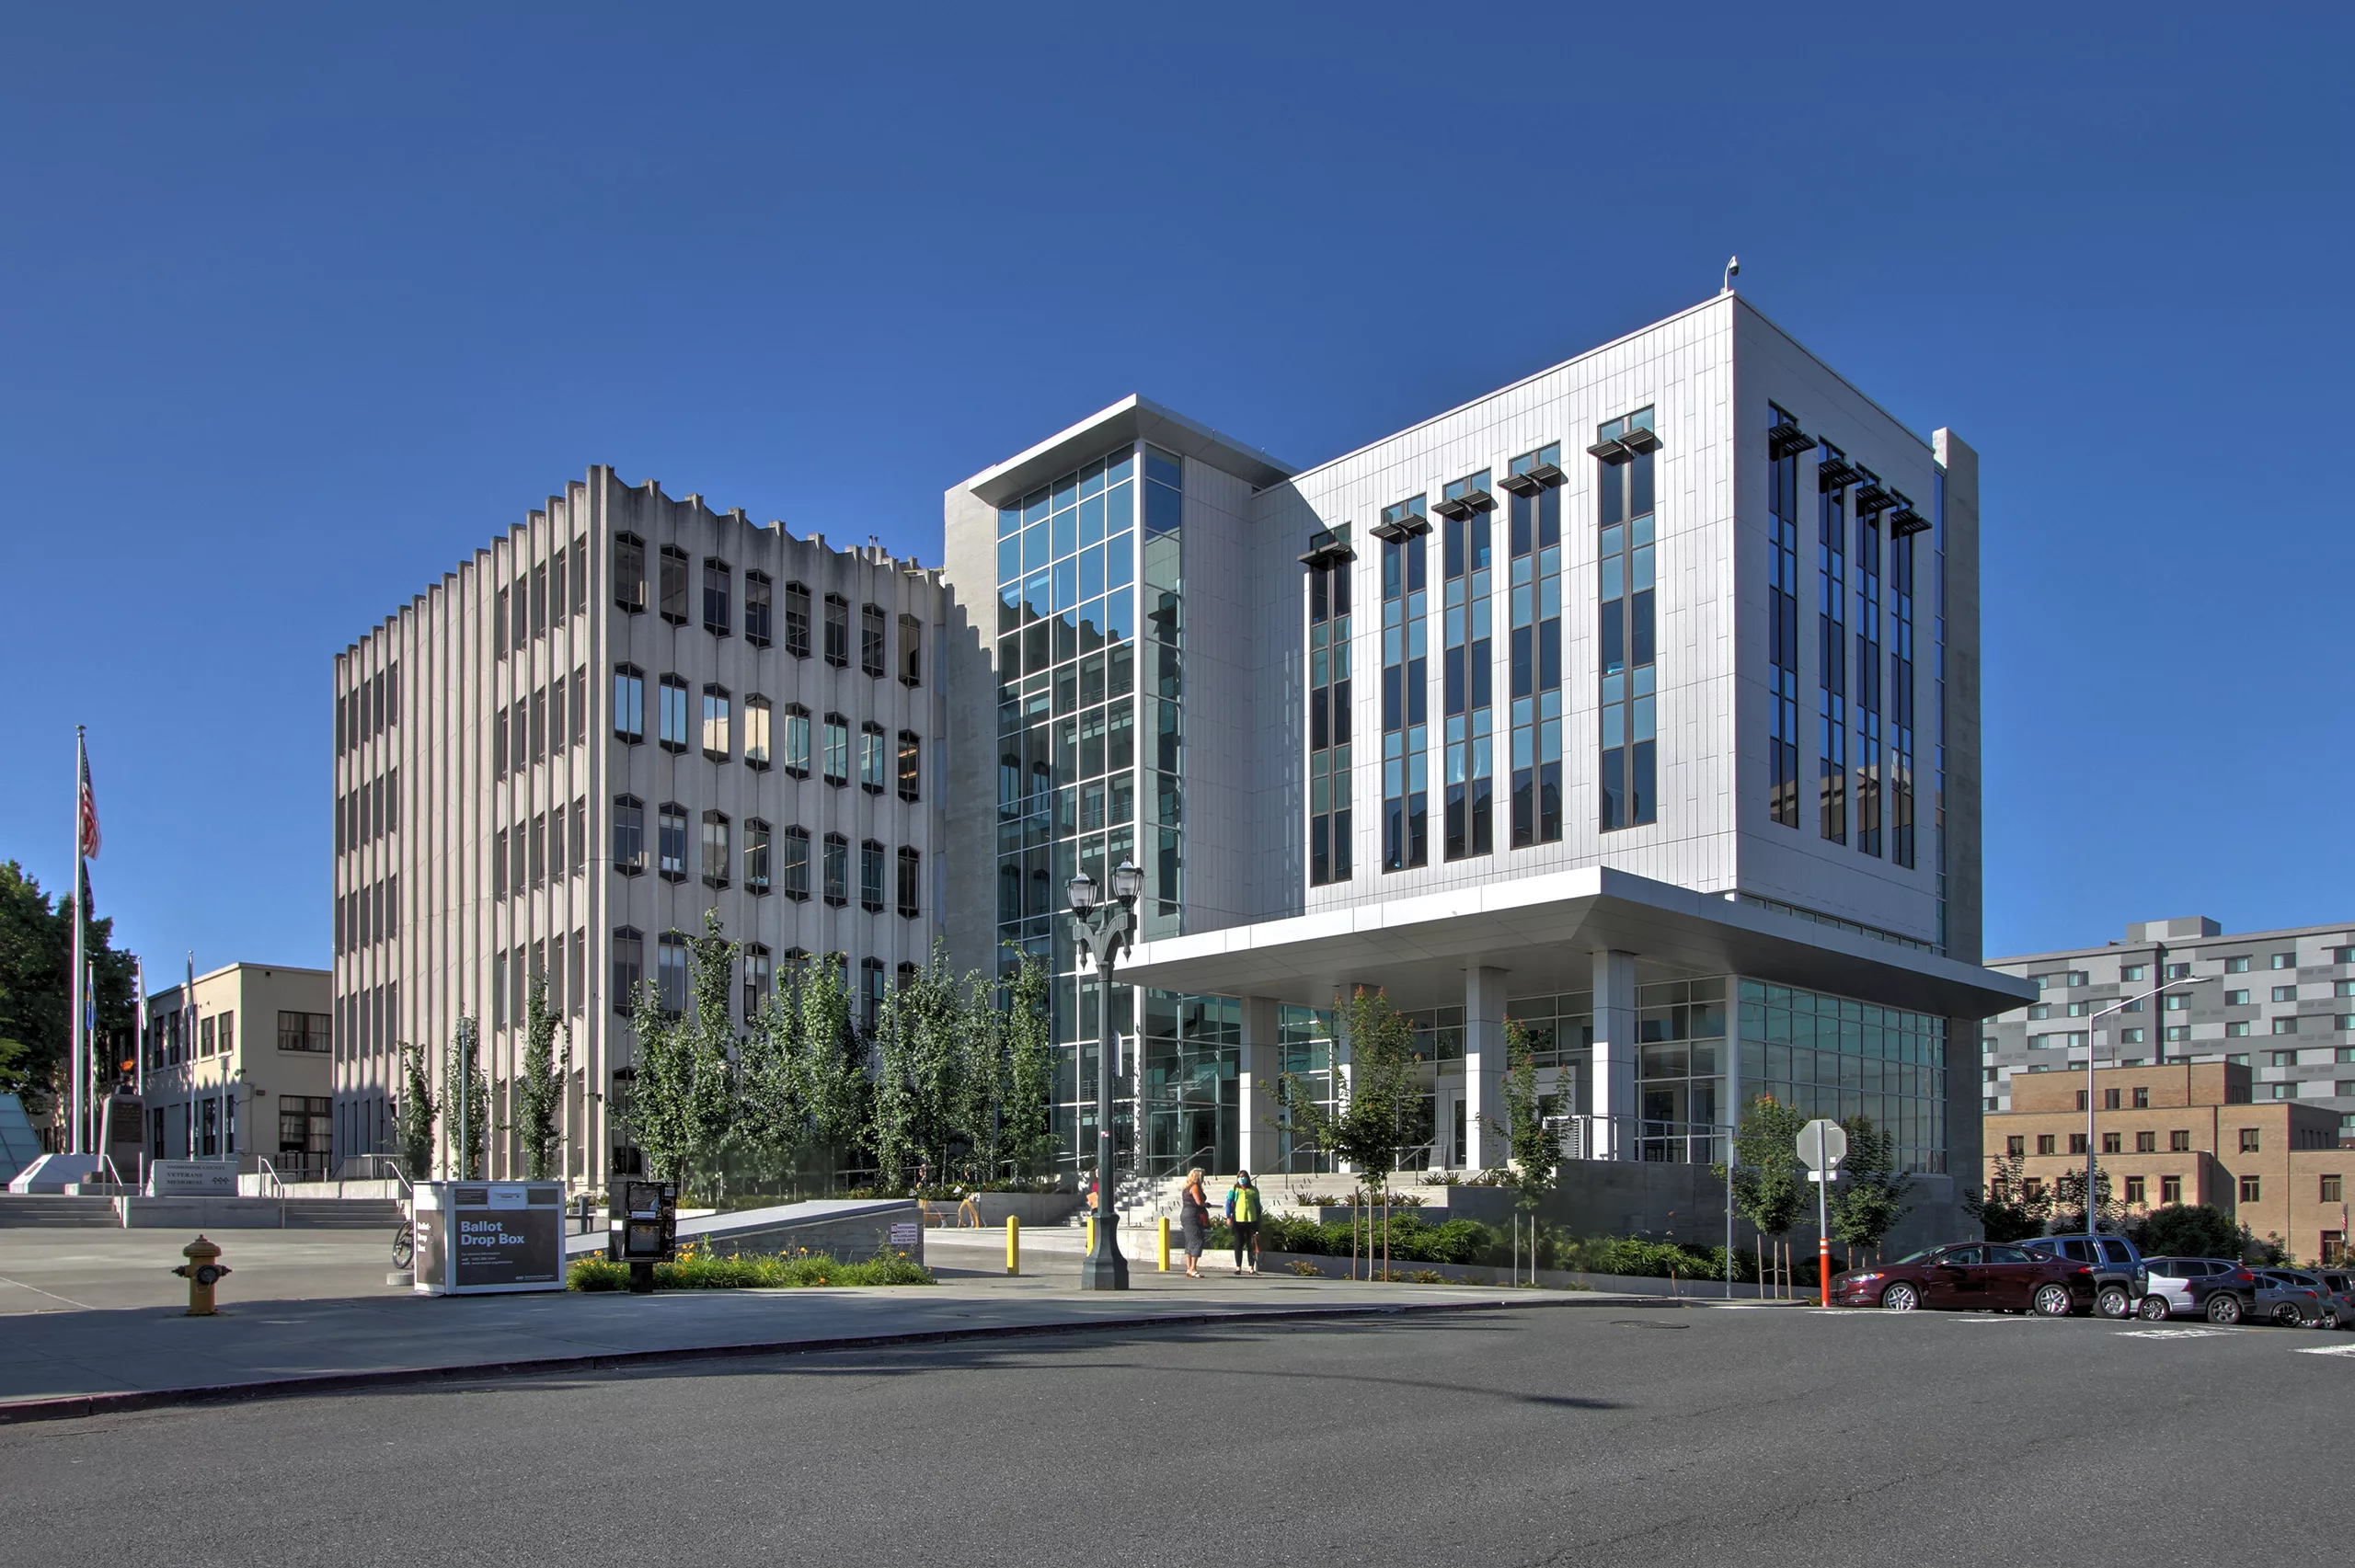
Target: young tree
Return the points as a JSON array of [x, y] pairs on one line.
[[466, 1103], [2012, 1207], [1028, 1138], [1869, 1199], [1366, 1122], [2068, 1202], [539, 1089], [832, 1058], [684, 1090], [1537, 1154], [414, 1125], [772, 1119], [1767, 1186], [897, 1137], [36, 952]]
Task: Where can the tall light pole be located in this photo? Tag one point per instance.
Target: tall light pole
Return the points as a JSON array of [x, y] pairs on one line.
[[2093, 1224], [1104, 929]]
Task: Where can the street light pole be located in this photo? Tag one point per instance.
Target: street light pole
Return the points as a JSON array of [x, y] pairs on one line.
[[2093, 1224], [1105, 928]]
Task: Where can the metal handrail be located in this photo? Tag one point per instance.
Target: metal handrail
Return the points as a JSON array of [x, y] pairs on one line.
[[275, 1180]]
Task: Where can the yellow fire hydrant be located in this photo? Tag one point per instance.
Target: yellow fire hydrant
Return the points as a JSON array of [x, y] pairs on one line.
[[203, 1273]]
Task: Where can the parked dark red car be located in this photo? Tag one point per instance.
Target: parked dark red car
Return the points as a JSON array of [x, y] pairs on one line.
[[1971, 1276]]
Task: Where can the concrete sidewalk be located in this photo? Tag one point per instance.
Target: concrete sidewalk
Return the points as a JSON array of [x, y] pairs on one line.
[[79, 1363]]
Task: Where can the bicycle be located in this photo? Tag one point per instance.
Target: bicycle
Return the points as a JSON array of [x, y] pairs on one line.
[[404, 1245]]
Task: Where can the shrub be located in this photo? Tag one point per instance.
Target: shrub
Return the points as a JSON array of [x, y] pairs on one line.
[[699, 1270], [1305, 1269], [1428, 1276]]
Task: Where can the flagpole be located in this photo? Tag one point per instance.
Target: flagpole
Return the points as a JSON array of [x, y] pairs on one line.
[[78, 1108]]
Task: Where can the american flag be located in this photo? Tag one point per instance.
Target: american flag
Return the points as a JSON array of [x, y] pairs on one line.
[[87, 835]]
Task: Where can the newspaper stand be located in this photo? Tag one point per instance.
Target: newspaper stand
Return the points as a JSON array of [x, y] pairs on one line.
[[476, 1237], [643, 1229]]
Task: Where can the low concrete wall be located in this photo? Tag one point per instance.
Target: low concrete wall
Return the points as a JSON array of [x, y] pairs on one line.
[[850, 1229], [1031, 1209]]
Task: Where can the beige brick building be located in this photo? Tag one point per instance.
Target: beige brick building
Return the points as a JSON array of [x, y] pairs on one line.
[[238, 1067], [2189, 1132]]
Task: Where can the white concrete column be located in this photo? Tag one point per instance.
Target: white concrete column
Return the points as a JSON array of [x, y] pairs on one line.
[[1729, 1110], [1484, 1069], [1255, 1086], [1613, 1104]]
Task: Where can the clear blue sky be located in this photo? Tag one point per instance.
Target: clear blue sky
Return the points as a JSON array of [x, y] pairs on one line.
[[299, 305]]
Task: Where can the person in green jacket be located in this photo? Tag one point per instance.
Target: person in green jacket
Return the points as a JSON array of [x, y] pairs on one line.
[[1243, 1224]]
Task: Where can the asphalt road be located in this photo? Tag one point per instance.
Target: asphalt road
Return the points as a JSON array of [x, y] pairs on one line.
[[1592, 1436]]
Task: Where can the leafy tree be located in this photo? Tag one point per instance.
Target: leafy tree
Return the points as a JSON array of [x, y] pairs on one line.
[[1869, 1199], [539, 1090], [466, 1099], [414, 1123], [1537, 1154], [772, 1117], [926, 1096], [36, 952], [2188, 1231], [684, 1090], [2069, 1202], [832, 1056], [2012, 1207], [1767, 1185], [1027, 1139], [1366, 1124]]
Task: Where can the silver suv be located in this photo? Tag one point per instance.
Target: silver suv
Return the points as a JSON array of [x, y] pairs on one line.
[[2118, 1269], [2215, 1288]]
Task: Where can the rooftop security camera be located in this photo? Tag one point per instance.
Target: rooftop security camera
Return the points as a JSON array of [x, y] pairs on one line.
[[1733, 266]]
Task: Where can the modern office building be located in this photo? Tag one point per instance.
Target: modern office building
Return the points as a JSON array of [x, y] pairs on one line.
[[2281, 1003], [627, 711], [237, 1066], [2181, 1131], [1636, 700]]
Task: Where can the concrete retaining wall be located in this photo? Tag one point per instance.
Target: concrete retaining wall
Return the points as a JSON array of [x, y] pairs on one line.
[[852, 1231]]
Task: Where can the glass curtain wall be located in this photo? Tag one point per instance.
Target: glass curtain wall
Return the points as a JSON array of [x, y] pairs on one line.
[[1834, 1057], [1629, 792], [1535, 541]]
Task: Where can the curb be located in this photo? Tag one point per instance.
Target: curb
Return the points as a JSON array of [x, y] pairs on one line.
[[75, 1407]]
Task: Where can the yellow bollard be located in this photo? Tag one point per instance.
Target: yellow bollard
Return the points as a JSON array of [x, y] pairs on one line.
[[1091, 1235], [1013, 1245], [1163, 1228]]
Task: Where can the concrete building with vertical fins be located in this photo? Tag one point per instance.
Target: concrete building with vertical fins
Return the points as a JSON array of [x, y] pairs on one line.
[[1636, 700], [622, 712]]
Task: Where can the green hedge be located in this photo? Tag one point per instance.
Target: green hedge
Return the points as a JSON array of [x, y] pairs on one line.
[[701, 1271], [1415, 1240]]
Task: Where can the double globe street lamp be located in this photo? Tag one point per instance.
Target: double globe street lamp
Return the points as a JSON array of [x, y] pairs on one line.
[[1104, 929]]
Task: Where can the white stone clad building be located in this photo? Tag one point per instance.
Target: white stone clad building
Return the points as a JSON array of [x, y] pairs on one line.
[[1637, 699], [625, 712]]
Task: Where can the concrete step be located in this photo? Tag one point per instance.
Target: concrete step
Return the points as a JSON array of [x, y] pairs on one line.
[[51, 1209], [345, 1213]]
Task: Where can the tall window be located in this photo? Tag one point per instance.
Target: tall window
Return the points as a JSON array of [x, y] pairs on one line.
[[581, 578], [557, 602], [1329, 713], [719, 606], [756, 855], [1466, 668], [797, 741], [796, 619], [1406, 717], [870, 987], [1870, 499], [870, 877], [539, 599], [911, 882], [1535, 480], [872, 656], [671, 847], [911, 651], [911, 765], [717, 857], [837, 870], [1904, 522], [837, 630], [718, 744], [499, 864], [758, 980], [499, 622], [673, 717], [795, 881], [580, 704], [671, 951], [837, 751], [539, 857], [556, 715], [1785, 441], [498, 741], [1832, 474], [870, 757], [629, 966], [1624, 559], [672, 595], [756, 730], [756, 608]]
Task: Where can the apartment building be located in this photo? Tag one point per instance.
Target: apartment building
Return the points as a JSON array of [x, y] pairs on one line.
[[2280, 1003], [2189, 1132], [1636, 700], [238, 1067], [625, 712]]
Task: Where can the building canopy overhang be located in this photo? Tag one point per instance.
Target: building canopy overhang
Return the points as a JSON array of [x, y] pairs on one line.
[[1131, 419], [1544, 931]]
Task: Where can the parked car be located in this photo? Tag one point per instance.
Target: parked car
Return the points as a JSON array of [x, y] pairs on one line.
[[2293, 1299], [2219, 1289], [1969, 1276], [2342, 1286], [2118, 1269]]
